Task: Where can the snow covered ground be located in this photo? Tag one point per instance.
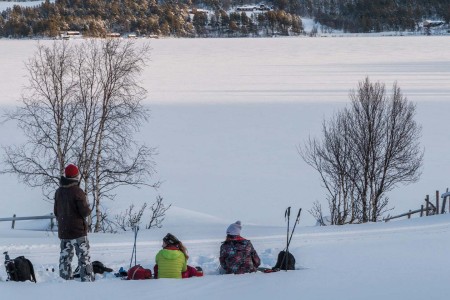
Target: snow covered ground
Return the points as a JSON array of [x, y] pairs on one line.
[[227, 116], [398, 260], [9, 4]]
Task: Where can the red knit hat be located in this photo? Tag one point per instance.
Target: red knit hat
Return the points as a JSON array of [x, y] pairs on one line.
[[71, 171]]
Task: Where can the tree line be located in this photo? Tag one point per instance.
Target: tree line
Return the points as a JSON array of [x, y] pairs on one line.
[[370, 15], [96, 18], [176, 18]]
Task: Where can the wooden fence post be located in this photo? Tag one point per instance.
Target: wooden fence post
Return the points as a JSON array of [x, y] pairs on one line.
[[443, 205], [409, 214], [13, 221], [437, 202], [427, 206], [421, 211], [52, 224]]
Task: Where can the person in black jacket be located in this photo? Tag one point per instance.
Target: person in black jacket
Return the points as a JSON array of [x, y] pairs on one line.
[[71, 209]]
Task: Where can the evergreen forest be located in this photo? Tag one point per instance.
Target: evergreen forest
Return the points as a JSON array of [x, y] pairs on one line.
[[216, 18]]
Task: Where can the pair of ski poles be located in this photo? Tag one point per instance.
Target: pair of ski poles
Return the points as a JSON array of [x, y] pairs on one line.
[[133, 254], [287, 216]]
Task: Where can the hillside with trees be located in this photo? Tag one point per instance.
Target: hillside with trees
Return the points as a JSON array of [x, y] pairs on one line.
[[144, 17], [374, 15], [216, 18]]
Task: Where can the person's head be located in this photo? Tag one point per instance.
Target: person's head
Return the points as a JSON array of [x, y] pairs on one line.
[[235, 228], [72, 172], [170, 240]]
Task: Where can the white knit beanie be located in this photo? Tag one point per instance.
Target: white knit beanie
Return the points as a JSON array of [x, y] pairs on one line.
[[235, 228]]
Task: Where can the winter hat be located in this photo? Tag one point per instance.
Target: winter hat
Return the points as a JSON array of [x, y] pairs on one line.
[[170, 239], [235, 228], [71, 171]]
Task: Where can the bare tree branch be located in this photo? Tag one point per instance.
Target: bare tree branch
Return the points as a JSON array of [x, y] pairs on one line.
[[366, 151]]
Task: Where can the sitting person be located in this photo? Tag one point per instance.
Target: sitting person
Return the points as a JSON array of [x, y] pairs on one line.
[[171, 261], [237, 255]]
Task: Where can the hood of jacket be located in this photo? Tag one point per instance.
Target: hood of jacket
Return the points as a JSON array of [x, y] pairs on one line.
[[68, 182], [171, 254]]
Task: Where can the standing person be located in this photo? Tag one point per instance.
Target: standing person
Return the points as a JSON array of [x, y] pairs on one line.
[[171, 261], [71, 209], [237, 255]]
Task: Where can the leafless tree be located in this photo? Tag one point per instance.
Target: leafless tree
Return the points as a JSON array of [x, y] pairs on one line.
[[111, 98], [47, 119], [158, 213], [131, 218], [366, 151], [331, 157], [82, 105]]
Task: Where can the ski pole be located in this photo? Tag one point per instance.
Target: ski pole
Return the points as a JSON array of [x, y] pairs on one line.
[[285, 260], [288, 214], [133, 253], [297, 220]]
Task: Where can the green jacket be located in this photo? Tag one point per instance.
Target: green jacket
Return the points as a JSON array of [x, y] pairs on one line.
[[170, 263]]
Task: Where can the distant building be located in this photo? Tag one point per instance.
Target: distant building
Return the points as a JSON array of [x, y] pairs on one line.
[[113, 35], [255, 8], [73, 33], [431, 23], [65, 35]]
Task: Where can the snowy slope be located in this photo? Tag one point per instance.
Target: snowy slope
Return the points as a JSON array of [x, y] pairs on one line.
[[399, 260], [227, 116], [9, 4]]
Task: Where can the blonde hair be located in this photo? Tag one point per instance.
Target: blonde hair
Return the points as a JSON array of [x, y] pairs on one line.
[[183, 249]]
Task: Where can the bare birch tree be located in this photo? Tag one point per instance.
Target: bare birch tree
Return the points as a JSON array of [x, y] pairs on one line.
[[83, 105], [366, 151], [47, 119]]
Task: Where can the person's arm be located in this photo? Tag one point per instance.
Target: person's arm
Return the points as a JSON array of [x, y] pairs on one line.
[[184, 267], [82, 205], [222, 256], [55, 209], [255, 258]]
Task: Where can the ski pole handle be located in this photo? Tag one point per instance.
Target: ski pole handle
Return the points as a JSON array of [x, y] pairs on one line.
[[287, 213]]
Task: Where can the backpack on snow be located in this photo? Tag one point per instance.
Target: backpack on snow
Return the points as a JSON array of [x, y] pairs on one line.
[[100, 268], [281, 264], [97, 267], [19, 269], [138, 272]]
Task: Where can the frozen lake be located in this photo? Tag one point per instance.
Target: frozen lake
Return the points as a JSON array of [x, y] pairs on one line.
[[228, 115]]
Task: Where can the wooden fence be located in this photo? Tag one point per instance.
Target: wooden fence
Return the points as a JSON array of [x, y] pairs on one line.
[[427, 209], [14, 219]]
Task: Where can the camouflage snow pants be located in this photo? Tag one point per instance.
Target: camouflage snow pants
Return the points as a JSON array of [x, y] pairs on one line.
[[81, 246]]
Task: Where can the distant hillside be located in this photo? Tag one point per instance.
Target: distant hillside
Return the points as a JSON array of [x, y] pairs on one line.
[[374, 15], [216, 18], [143, 17]]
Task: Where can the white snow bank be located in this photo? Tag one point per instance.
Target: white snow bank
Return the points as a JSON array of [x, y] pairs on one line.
[[397, 260]]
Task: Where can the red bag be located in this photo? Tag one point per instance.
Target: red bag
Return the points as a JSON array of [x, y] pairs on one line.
[[192, 272], [138, 273]]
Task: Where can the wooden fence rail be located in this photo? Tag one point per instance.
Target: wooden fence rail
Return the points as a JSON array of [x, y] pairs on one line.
[[430, 208], [14, 219]]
